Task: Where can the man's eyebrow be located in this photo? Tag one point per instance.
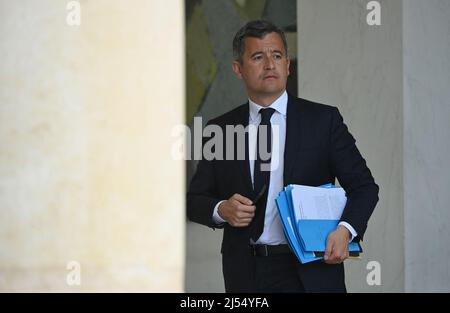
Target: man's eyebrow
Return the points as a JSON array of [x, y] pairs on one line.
[[260, 52], [255, 53]]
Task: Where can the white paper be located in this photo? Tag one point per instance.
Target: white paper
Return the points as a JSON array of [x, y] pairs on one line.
[[317, 203]]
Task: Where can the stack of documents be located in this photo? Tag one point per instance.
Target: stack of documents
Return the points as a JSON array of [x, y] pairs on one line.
[[308, 215]]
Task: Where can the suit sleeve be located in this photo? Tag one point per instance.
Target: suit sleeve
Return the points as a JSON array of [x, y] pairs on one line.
[[202, 194], [351, 170]]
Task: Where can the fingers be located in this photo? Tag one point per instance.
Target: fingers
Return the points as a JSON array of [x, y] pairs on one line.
[[241, 211], [242, 204], [242, 199], [245, 214], [243, 222], [242, 218], [335, 252], [328, 250], [336, 259]]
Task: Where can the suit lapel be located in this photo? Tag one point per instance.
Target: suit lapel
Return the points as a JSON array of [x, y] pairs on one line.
[[293, 131], [244, 167]]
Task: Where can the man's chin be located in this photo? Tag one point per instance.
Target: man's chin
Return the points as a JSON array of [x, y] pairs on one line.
[[270, 92]]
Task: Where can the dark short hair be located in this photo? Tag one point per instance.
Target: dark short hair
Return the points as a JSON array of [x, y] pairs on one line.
[[258, 29]]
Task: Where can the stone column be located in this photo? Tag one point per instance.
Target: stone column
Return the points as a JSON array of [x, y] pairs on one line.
[[86, 172]]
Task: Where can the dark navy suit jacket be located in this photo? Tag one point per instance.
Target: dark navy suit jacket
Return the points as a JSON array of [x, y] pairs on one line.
[[318, 149]]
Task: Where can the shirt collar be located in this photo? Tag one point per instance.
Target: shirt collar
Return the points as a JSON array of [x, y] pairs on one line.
[[280, 105]]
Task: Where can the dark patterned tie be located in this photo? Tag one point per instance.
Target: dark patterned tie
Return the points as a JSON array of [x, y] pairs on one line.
[[261, 171]]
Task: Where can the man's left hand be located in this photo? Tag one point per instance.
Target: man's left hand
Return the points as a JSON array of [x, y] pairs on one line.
[[337, 246]]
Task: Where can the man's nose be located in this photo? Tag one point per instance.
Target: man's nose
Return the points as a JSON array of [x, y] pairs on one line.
[[269, 64]]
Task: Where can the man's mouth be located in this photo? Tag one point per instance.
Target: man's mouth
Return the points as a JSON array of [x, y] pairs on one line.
[[270, 77]]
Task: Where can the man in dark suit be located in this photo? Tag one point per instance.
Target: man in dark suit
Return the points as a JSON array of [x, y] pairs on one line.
[[305, 143]]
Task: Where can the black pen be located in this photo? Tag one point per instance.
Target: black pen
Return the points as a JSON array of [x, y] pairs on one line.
[[260, 194]]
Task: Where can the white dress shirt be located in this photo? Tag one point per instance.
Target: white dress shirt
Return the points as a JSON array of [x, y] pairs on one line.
[[273, 230]]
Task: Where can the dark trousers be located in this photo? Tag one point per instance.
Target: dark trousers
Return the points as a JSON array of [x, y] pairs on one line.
[[263, 274], [279, 273], [276, 274]]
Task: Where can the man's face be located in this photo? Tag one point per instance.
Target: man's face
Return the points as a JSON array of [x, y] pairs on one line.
[[264, 67]]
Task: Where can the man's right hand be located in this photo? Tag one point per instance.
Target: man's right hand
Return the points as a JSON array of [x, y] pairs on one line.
[[238, 211]]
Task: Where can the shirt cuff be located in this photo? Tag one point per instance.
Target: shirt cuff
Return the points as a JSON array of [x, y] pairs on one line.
[[350, 229], [216, 217]]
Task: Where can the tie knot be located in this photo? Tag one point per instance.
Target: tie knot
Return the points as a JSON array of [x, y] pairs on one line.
[[266, 114]]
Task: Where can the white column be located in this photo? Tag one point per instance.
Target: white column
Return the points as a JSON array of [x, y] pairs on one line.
[[86, 173]]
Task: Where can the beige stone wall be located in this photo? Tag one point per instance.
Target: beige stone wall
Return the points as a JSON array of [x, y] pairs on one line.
[[86, 173]]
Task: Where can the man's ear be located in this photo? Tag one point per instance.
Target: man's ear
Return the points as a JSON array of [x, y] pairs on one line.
[[288, 65], [237, 69]]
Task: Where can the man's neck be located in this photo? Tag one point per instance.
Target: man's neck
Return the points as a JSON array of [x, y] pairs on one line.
[[265, 100]]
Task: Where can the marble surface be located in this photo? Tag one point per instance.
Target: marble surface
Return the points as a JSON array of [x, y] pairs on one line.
[[344, 62], [86, 172], [426, 62]]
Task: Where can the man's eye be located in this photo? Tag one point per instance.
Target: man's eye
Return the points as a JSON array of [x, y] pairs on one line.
[[257, 57], [277, 56]]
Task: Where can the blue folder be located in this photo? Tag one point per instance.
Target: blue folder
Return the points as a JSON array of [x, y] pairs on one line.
[[290, 229], [306, 238], [314, 233]]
